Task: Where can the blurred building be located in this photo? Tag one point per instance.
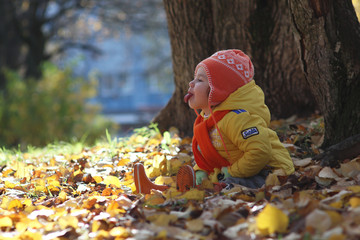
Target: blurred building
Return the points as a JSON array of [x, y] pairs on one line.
[[135, 79]]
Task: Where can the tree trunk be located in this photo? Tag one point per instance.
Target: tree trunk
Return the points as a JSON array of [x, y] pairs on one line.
[[10, 44], [191, 32], [262, 29], [328, 36]]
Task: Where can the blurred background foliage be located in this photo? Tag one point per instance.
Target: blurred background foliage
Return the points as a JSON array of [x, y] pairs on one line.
[[52, 108], [42, 99]]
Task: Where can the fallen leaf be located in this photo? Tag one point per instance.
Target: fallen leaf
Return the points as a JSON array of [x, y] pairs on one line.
[[318, 220], [68, 221], [301, 162], [112, 180], [119, 232], [6, 222], [272, 220], [272, 180], [354, 202], [195, 225], [162, 219]]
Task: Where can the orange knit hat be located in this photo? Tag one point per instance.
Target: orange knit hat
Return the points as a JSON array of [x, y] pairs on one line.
[[227, 71]]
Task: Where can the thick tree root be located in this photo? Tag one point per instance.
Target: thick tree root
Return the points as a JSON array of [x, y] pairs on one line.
[[346, 149]]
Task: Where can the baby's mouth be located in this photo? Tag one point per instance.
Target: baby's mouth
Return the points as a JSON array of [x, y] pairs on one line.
[[187, 97]]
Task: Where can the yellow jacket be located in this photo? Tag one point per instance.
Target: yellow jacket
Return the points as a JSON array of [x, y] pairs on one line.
[[251, 144]]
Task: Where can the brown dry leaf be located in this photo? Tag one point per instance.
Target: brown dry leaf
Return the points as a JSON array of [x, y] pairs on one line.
[[155, 198], [318, 220], [195, 225], [350, 169], [106, 192], [89, 203]]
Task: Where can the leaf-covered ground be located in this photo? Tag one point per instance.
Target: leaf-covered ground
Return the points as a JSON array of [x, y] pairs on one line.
[[89, 193]]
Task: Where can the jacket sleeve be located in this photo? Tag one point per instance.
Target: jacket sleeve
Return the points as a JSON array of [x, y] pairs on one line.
[[250, 135]]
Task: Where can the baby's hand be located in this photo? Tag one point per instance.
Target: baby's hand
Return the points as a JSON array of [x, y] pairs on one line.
[[200, 176]]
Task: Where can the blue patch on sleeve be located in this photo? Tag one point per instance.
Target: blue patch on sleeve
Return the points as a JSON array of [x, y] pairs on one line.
[[249, 132], [239, 111]]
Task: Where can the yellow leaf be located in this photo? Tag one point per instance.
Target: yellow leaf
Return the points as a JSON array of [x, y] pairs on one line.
[[207, 184], [30, 235], [272, 220], [62, 196], [113, 181], [119, 232], [6, 222], [35, 224], [338, 204], [98, 179], [15, 203], [95, 226], [27, 202], [68, 221], [354, 189], [113, 205], [132, 187], [354, 202], [123, 162], [54, 183], [173, 165], [9, 185], [193, 194], [7, 172], [21, 226], [162, 219], [40, 189], [171, 193], [337, 237], [152, 172], [162, 234], [102, 234], [161, 180], [335, 217]]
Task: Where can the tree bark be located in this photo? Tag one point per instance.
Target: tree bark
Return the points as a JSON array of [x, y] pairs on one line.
[[328, 38], [262, 29], [10, 44], [191, 32]]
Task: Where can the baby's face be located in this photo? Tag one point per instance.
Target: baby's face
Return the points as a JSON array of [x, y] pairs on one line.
[[198, 93]]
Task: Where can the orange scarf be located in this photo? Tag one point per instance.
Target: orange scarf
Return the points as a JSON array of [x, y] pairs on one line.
[[208, 158]]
